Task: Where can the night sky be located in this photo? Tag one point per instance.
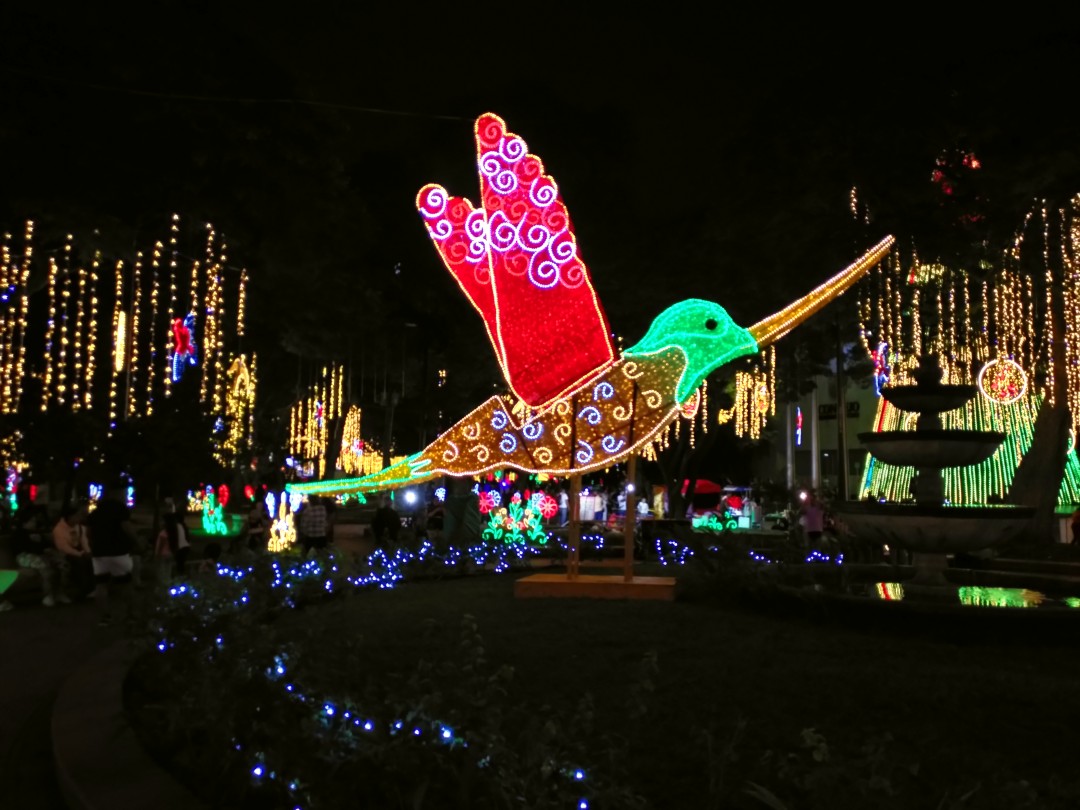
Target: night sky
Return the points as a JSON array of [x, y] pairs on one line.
[[707, 157]]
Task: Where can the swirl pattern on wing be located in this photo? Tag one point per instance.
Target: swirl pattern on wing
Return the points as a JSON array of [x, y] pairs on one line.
[[652, 398], [537, 273], [532, 431], [612, 445], [509, 443], [590, 414], [553, 443], [585, 452], [603, 390], [562, 432], [460, 235]]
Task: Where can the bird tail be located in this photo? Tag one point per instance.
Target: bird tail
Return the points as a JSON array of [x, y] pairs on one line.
[[410, 470]]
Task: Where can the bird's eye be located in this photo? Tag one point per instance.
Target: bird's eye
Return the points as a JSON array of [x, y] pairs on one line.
[[710, 324]]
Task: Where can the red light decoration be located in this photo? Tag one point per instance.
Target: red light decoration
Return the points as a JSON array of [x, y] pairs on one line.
[[1002, 381], [517, 261], [548, 506]]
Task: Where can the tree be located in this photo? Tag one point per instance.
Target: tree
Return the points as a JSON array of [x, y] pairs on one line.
[[62, 447], [169, 451]]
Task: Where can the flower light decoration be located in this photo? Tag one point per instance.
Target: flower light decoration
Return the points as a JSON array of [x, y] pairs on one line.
[[213, 514], [573, 404], [713, 523], [486, 501], [518, 522]]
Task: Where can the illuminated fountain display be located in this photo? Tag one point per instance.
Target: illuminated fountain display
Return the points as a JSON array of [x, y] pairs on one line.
[[931, 527]]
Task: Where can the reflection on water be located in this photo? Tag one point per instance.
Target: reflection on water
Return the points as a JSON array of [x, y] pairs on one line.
[[977, 596], [893, 591], [1000, 597]]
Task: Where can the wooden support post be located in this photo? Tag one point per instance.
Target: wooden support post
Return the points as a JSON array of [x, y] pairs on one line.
[[573, 558], [630, 521]]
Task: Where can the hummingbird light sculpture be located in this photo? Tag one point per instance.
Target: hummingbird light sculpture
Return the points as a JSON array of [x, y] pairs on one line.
[[577, 404]]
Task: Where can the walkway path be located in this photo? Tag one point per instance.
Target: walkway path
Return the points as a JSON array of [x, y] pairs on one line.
[[39, 648]]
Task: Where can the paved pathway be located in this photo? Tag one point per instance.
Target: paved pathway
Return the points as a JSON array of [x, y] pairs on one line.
[[39, 648]]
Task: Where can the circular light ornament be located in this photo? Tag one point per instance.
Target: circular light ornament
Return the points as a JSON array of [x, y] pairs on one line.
[[761, 398], [1002, 381]]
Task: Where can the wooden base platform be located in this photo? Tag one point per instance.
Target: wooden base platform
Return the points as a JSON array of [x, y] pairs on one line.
[[594, 586]]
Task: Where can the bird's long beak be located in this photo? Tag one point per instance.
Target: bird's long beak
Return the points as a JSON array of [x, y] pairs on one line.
[[776, 326]]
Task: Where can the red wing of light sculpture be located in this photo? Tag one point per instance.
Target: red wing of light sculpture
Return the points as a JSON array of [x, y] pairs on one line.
[[517, 261]]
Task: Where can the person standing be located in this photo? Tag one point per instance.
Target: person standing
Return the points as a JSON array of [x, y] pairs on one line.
[[258, 527], [813, 520], [174, 542], [311, 525], [386, 523], [112, 538], [564, 506], [71, 550]]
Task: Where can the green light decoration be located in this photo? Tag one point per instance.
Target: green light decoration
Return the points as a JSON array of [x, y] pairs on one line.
[[7, 579], [1072, 601], [515, 523], [1000, 597], [977, 483], [705, 333], [355, 498], [213, 516], [711, 522]]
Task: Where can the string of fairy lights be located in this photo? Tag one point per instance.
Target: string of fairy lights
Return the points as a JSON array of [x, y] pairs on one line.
[[138, 305], [310, 421], [357, 456], [754, 402]]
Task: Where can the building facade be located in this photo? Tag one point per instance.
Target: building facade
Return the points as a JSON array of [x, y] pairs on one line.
[[810, 453]]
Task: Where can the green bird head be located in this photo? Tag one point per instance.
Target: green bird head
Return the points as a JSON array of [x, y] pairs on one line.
[[709, 338], [706, 334]]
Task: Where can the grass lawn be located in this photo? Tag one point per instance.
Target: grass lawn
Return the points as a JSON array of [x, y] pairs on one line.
[[977, 698]]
